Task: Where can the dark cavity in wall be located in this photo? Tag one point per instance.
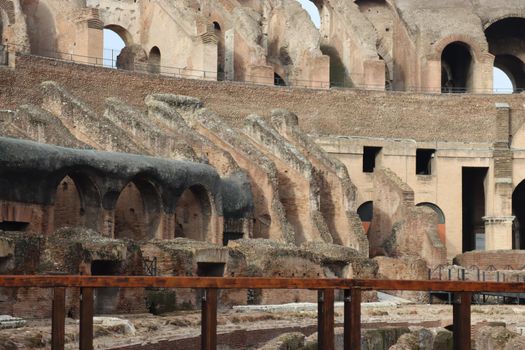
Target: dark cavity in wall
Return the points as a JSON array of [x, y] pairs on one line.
[[473, 205], [106, 299], [370, 158]]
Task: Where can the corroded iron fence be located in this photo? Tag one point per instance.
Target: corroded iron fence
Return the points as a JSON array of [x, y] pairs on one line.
[[463, 292]]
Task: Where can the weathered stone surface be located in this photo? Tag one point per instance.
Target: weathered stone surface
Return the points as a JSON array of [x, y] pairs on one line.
[[494, 338], [113, 325]]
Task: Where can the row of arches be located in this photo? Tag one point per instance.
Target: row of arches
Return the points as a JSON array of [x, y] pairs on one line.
[[506, 39], [137, 209]]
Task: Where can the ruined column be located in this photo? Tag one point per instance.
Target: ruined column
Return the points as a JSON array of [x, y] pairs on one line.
[[498, 224]]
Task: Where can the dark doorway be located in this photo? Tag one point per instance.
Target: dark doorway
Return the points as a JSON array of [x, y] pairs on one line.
[[154, 60], [106, 299], [518, 210], [370, 158], [473, 205], [424, 161], [207, 269], [456, 68]]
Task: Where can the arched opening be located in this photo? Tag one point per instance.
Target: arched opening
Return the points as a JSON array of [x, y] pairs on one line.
[[41, 28], [502, 84], [154, 60], [137, 212], [221, 54], [441, 219], [456, 68], [518, 210], [76, 202], [193, 214], [511, 68], [118, 47], [312, 10], [68, 206], [278, 80], [366, 213], [506, 39]]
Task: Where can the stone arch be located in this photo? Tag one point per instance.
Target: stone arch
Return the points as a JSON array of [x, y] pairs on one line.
[[518, 210], [138, 210], [41, 26], [193, 214], [76, 199], [457, 67], [441, 219], [476, 48], [122, 32], [154, 60], [366, 213], [506, 41]]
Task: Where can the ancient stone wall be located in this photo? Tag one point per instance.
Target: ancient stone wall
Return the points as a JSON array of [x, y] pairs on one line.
[[398, 227], [337, 112]]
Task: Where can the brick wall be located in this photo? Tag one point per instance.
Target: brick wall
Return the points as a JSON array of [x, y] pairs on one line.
[[406, 115], [501, 259]]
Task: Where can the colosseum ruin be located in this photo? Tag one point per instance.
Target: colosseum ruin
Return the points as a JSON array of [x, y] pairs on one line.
[[235, 138]]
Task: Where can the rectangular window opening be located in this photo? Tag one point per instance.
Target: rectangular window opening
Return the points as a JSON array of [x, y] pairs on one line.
[[424, 159], [13, 226], [231, 236], [370, 158]]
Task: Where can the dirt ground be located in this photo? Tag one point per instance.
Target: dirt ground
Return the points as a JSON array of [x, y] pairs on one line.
[[148, 328]]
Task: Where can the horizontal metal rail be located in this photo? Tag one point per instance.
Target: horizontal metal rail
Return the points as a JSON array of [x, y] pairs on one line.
[[74, 281], [463, 292]]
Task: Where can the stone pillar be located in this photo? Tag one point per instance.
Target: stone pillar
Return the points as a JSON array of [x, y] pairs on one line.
[[89, 46], [498, 225], [205, 58], [229, 55]]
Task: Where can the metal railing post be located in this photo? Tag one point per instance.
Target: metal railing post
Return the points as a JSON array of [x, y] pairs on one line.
[[352, 319], [209, 320], [325, 319], [86, 319], [461, 317], [58, 322]]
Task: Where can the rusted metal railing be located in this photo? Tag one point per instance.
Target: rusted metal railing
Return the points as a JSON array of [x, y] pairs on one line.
[[326, 288]]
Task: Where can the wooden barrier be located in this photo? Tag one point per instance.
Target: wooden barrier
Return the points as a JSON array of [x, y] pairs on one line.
[[326, 290]]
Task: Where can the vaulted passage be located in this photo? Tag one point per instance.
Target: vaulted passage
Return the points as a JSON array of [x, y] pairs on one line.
[[41, 28], [193, 214], [456, 68], [137, 213], [518, 210], [506, 39], [154, 60], [473, 205]]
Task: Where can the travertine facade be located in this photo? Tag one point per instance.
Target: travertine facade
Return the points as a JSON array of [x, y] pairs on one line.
[[373, 44]]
